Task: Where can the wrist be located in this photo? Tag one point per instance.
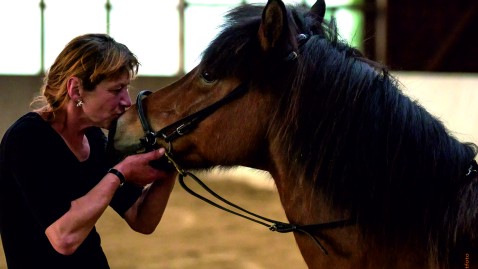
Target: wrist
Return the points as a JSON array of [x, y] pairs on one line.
[[118, 174]]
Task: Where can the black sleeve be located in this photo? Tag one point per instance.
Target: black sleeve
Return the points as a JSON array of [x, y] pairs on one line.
[[126, 195], [36, 167]]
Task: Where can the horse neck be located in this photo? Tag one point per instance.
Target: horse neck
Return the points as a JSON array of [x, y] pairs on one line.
[[345, 245], [303, 206], [302, 202]]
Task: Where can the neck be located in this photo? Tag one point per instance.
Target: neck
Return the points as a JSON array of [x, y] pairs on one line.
[[68, 125]]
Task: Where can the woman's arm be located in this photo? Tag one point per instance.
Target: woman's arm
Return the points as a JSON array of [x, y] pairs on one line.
[[148, 210], [68, 232]]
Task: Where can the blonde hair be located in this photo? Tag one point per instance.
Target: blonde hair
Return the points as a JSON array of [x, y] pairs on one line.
[[92, 58]]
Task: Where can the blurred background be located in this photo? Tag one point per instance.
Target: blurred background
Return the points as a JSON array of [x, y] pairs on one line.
[[429, 45], [434, 40]]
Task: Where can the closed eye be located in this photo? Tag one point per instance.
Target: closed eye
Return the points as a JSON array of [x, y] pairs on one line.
[[119, 89]]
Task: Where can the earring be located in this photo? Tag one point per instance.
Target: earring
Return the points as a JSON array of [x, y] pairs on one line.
[[79, 103]]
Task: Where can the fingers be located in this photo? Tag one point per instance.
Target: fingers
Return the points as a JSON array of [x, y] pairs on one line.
[[137, 168], [155, 154], [161, 151]]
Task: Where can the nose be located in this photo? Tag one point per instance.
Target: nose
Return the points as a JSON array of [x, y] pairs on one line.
[[125, 99]]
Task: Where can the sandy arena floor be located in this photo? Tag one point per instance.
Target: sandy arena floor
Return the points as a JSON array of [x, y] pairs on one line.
[[196, 235]]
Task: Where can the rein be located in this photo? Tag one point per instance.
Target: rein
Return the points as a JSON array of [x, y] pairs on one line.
[[273, 225], [187, 124]]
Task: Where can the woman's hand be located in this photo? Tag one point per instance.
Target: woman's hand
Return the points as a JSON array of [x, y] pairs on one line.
[[137, 168]]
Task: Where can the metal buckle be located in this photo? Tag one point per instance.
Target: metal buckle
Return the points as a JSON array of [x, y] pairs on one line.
[[181, 130], [150, 138], [472, 169], [148, 141]]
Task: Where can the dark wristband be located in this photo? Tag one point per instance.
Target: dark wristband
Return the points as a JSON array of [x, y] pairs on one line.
[[120, 175]]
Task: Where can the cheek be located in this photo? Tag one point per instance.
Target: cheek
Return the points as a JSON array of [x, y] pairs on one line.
[[111, 105], [106, 105], [100, 109]]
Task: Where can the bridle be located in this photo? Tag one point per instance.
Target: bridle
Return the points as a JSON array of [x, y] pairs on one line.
[[187, 124], [182, 126]]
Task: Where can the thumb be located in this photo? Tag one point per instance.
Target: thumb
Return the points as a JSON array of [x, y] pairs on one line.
[[156, 154]]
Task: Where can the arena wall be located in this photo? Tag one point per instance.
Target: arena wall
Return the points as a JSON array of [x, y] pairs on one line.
[[451, 97]]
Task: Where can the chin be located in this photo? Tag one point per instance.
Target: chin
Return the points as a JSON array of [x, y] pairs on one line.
[[107, 124]]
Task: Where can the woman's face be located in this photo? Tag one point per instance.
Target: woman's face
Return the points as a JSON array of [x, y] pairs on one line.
[[107, 101]]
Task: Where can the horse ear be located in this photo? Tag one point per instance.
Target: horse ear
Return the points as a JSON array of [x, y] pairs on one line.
[[318, 9], [274, 30]]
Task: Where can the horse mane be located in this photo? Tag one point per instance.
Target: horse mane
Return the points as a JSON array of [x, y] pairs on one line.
[[349, 131]]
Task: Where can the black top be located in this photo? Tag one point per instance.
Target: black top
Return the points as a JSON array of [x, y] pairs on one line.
[[39, 177]]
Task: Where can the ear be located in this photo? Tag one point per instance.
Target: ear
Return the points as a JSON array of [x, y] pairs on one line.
[[73, 88], [318, 10], [274, 32]]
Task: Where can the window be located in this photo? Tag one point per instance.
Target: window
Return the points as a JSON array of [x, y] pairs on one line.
[[20, 48], [150, 29], [168, 36], [350, 19], [199, 32], [65, 20]]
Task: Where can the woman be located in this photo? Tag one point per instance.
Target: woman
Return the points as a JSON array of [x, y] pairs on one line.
[[55, 179]]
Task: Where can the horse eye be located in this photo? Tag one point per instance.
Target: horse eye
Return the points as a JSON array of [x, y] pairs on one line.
[[208, 77]]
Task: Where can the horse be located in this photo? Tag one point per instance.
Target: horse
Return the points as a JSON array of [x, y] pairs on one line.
[[279, 90]]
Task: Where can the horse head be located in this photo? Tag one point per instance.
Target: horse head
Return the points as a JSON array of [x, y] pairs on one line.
[[253, 52]]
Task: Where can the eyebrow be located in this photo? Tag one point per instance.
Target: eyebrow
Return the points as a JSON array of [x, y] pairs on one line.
[[115, 85]]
